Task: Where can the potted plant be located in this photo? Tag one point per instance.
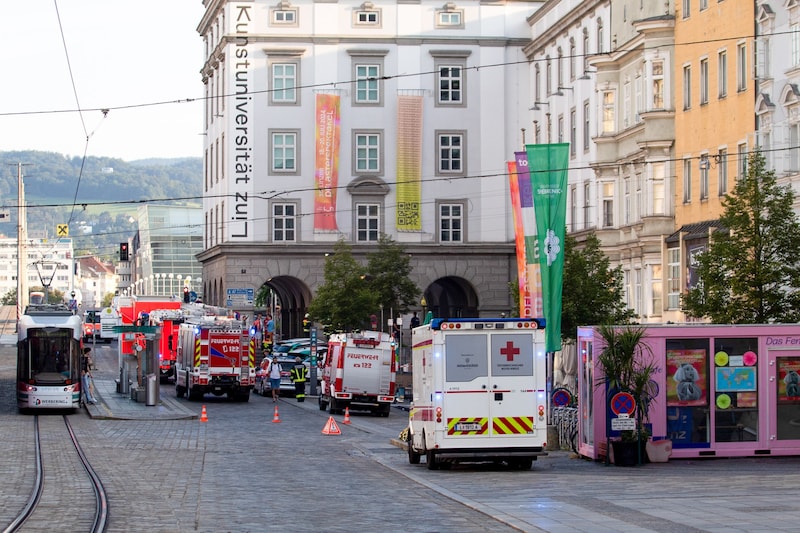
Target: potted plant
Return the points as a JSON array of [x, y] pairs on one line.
[[626, 365]]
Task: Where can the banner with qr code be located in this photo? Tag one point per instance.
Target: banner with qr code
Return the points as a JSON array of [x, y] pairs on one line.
[[409, 162], [327, 162]]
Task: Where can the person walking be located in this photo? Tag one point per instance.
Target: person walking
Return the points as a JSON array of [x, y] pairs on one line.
[[274, 375], [269, 332], [87, 381], [299, 375]]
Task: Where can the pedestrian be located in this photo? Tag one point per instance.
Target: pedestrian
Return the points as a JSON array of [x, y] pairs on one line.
[[87, 381], [414, 321], [307, 325], [269, 332], [86, 361], [299, 375], [274, 375]]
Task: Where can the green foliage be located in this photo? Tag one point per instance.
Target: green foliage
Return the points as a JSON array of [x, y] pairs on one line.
[[344, 301], [107, 299], [62, 190], [749, 272], [9, 298], [388, 271], [593, 291]]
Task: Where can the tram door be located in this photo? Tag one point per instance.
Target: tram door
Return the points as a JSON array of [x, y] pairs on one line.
[[784, 395]]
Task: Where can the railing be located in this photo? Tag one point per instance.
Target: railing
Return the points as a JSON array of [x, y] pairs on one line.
[[565, 419]]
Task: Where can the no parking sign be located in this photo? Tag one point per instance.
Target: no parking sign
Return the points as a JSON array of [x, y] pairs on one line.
[[622, 403]]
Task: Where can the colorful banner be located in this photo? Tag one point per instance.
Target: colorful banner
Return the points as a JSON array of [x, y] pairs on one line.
[[687, 382], [409, 163], [327, 162], [525, 310], [533, 275], [547, 164]]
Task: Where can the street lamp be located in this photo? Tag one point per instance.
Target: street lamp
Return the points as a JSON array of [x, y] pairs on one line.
[[424, 303], [170, 283]]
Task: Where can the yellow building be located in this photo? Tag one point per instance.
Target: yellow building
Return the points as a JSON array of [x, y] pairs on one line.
[[714, 119]]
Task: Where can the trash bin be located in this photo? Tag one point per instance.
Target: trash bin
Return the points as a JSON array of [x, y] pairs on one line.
[[151, 390], [124, 379]]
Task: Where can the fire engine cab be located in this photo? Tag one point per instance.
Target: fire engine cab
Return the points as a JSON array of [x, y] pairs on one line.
[[215, 356]]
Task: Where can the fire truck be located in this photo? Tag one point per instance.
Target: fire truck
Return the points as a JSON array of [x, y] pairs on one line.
[[479, 392], [169, 320], [135, 310], [215, 355], [359, 373]]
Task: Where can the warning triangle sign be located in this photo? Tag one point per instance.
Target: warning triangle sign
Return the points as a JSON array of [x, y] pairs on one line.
[[331, 427]]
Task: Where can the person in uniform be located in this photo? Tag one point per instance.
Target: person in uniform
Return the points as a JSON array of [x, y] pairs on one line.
[[299, 375]]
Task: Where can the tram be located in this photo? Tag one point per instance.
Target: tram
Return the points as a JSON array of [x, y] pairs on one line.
[[49, 358]]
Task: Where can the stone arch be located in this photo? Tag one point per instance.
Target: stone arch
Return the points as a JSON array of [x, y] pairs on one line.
[[293, 298], [451, 297]]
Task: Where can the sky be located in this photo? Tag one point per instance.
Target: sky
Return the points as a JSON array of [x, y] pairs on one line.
[[124, 56]]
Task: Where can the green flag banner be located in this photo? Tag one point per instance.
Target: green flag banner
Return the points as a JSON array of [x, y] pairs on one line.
[[547, 164]]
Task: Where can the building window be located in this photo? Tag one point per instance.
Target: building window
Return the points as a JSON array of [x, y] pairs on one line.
[[284, 220], [451, 221], [687, 180], [722, 74], [741, 70], [600, 37], [586, 121], [762, 62], [537, 83], [722, 171], [794, 148], [703, 81], [687, 8], [560, 68], [795, 31], [368, 88], [368, 222], [283, 17], [366, 16], [283, 83], [658, 85], [283, 152], [704, 180], [585, 49], [741, 166], [573, 52], [704, 5], [609, 110], [608, 205], [450, 17], [450, 150], [673, 278], [626, 191], [450, 84], [587, 190], [561, 128], [548, 77], [573, 209], [367, 158], [627, 109], [573, 132], [687, 86]]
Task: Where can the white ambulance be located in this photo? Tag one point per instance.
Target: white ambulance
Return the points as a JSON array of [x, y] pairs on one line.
[[479, 389]]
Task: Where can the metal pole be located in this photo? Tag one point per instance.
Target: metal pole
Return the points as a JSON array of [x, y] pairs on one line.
[[22, 250]]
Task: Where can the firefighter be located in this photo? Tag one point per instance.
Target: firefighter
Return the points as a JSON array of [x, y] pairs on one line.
[[299, 375], [306, 325]]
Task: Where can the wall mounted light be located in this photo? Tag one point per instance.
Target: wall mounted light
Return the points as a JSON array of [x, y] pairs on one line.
[[537, 104]]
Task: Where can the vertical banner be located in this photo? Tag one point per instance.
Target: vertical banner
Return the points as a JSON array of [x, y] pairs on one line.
[[327, 162], [519, 238], [533, 276], [409, 162], [548, 164]]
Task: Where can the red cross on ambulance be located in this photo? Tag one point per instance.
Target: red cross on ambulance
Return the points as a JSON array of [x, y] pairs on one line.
[[509, 351]]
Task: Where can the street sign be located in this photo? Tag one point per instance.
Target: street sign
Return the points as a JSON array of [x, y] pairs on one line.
[[240, 297], [623, 423], [62, 230], [623, 403]]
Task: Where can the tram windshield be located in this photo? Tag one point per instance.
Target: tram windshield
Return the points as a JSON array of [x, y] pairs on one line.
[[46, 356]]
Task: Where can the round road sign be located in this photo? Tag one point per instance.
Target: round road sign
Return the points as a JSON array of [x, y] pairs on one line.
[[623, 403], [562, 397]]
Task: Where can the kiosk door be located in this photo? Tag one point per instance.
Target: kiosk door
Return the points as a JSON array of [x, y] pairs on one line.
[[784, 398]]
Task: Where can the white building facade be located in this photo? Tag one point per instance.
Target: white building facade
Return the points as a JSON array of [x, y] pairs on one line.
[[346, 120], [50, 263]]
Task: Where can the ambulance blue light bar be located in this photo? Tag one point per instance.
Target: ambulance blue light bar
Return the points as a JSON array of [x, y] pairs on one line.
[[511, 324]]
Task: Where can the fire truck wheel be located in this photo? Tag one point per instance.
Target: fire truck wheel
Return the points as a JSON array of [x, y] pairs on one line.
[[322, 405], [180, 391], [413, 455]]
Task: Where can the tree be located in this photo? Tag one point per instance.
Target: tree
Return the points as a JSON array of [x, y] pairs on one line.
[[593, 291], [388, 271], [9, 298], [108, 298], [749, 272], [344, 300]]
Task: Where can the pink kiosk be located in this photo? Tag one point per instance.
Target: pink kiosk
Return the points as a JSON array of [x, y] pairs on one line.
[[723, 390]]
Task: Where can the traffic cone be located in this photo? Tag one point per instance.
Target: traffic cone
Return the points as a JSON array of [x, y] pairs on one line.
[[331, 428], [203, 415], [346, 416], [276, 418]]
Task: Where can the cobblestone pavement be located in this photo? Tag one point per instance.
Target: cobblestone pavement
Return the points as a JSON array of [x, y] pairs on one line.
[[240, 471]]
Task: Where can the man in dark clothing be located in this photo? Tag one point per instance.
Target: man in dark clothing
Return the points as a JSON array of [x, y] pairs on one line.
[[414, 321], [299, 375]]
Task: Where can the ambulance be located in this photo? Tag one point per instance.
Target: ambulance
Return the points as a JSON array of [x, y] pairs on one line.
[[479, 392]]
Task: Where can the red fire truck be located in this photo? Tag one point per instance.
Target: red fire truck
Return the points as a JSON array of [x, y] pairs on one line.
[[217, 356], [169, 320]]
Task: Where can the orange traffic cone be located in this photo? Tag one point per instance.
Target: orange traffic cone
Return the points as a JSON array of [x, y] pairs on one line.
[[276, 418], [346, 416], [203, 415], [331, 428]]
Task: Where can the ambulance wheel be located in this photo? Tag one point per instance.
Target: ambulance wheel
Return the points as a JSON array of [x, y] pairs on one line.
[[413, 455]]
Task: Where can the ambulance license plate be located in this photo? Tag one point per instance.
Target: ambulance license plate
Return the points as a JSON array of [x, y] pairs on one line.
[[468, 426]]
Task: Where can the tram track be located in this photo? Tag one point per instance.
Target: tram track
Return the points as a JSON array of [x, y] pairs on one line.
[[65, 483]]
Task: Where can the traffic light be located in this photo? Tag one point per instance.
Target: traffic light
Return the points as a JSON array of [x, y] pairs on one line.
[[123, 251], [186, 295]]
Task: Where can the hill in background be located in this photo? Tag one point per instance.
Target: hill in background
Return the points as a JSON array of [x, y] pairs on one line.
[[98, 197]]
